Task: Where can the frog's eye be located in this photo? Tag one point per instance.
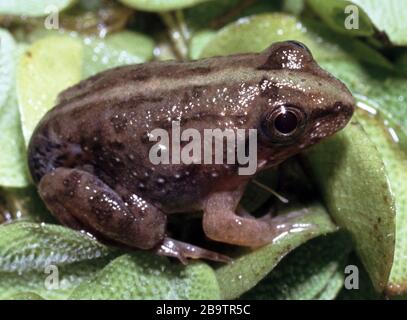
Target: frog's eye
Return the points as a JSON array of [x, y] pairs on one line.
[[283, 123], [299, 45]]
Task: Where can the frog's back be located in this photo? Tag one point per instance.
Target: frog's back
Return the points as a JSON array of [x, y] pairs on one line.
[[103, 122]]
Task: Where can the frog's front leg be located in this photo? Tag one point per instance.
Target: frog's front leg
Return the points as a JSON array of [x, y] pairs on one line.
[[81, 200], [221, 223]]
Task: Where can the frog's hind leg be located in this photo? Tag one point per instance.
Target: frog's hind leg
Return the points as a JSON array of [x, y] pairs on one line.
[[81, 200], [221, 223]]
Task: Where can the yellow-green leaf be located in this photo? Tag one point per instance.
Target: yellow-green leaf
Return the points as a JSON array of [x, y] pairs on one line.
[[34, 8], [143, 275], [353, 181], [161, 5], [335, 14], [395, 162], [49, 66]]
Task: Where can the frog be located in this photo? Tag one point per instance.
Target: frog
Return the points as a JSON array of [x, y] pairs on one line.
[[89, 155]]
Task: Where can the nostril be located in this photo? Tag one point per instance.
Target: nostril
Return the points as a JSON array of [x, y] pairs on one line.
[[346, 109]]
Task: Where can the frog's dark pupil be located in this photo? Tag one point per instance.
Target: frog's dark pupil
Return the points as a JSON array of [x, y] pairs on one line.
[[286, 122]]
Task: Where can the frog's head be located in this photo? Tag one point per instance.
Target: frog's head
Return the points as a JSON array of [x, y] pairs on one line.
[[302, 104]]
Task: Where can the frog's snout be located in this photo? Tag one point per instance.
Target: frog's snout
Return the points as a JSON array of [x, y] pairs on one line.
[[327, 122]]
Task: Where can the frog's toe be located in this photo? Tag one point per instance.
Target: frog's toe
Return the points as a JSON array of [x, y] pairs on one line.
[[184, 251]]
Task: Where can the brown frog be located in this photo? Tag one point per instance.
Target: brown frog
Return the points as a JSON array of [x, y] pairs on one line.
[[90, 154]]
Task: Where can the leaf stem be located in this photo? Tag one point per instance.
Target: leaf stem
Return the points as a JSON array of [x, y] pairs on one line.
[[231, 14], [176, 34]]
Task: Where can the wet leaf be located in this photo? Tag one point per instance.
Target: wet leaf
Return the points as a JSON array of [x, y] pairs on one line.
[[390, 18], [354, 184], [384, 92], [207, 13], [365, 290], [198, 42], [31, 246], [395, 162], [49, 66], [216, 14], [332, 288], [97, 17], [28, 250], [34, 8], [54, 282], [13, 168], [161, 5], [335, 15], [248, 269], [99, 54], [310, 272], [294, 7], [118, 49], [25, 296], [254, 34], [7, 65], [146, 276]]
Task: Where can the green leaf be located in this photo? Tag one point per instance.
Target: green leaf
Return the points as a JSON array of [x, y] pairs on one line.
[[351, 175], [205, 14], [146, 276], [27, 249], [198, 43], [7, 65], [13, 168], [161, 5], [247, 270], [333, 13], [294, 7], [32, 246], [395, 162], [388, 16], [99, 54], [401, 62], [34, 8], [49, 66], [115, 50], [365, 290], [385, 93], [254, 34], [333, 287], [43, 283], [307, 272], [25, 296], [216, 14]]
